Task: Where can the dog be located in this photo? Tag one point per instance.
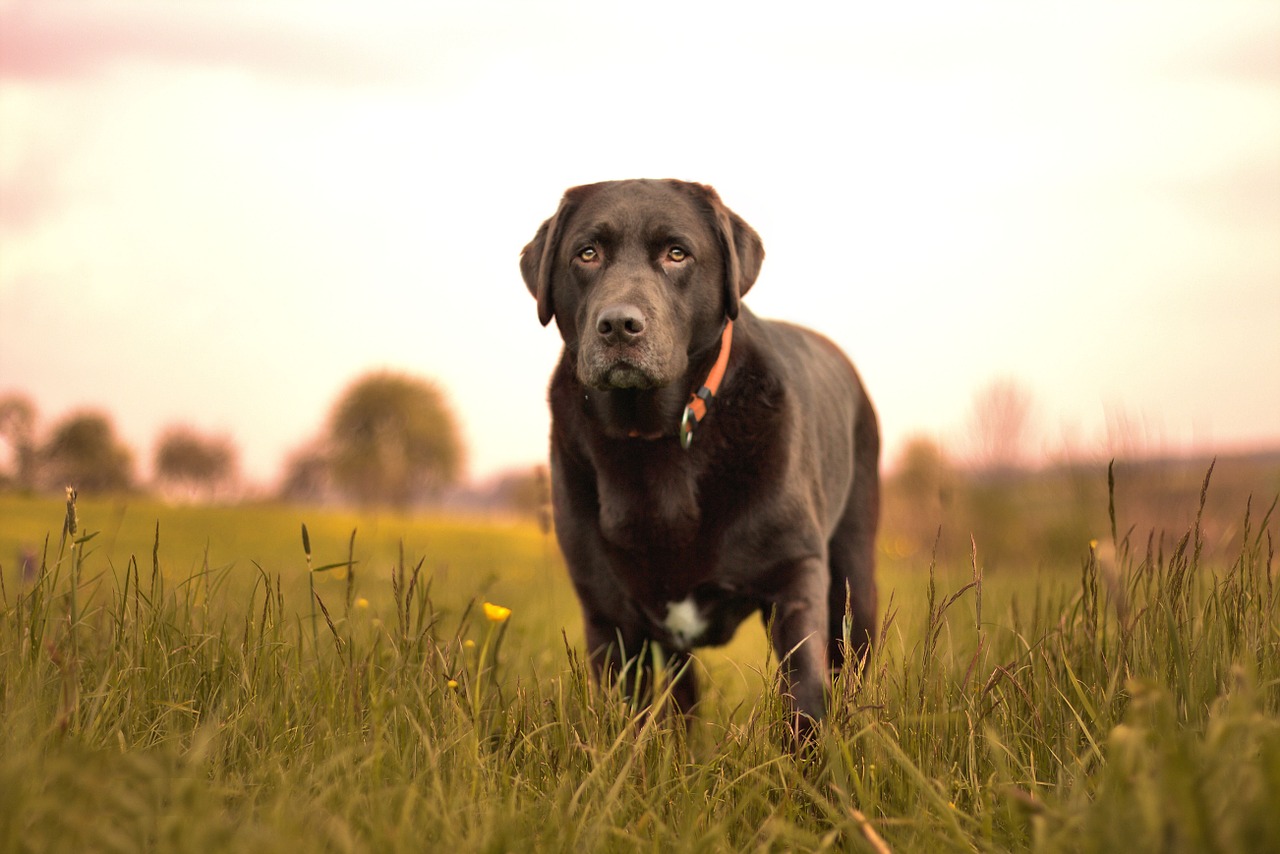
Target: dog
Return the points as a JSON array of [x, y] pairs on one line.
[[705, 464]]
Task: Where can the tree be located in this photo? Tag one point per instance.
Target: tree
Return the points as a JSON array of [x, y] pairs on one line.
[[1000, 425], [194, 464], [923, 472], [306, 474], [1001, 422], [84, 452], [393, 439], [17, 430], [919, 498], [527, 492]]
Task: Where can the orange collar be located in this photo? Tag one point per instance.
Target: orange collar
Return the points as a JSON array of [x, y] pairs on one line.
[[700, 400]]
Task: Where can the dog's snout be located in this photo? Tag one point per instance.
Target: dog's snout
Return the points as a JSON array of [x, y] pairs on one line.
[[620, 323]]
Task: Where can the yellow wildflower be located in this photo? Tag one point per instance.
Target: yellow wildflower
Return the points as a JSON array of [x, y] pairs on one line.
[[496, 613], [362, 602], [452, 683], [468, 644]]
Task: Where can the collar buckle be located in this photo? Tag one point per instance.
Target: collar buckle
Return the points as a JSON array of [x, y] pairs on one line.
[[700, 400], [687, 422]]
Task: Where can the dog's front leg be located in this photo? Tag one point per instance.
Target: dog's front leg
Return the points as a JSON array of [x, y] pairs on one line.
[[684, 690], [615, 654], [799, 636], [626, 659]]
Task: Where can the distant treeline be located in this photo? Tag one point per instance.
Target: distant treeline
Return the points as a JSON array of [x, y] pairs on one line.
[[392, 440], [1021, 518]]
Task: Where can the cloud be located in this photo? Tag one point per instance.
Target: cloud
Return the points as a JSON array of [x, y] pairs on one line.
[[55, 42], [1245, 195], [31, 191], [1245, 54]]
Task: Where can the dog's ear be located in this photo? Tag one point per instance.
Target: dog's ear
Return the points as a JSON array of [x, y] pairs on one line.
[[538, 257], [742, 248]]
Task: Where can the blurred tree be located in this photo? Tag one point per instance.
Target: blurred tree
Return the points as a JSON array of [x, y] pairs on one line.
[[527, 492], [306, 475], [918, 499], [84, 452], [17, 430], [196, 465], [996, 500], [393, 439], [923, 471], [1000, 426]]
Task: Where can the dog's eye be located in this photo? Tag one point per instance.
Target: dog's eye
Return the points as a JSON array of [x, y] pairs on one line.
[[677, 254], [588, 254]]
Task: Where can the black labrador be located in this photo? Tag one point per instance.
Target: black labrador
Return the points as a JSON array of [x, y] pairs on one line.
[[706, 464]]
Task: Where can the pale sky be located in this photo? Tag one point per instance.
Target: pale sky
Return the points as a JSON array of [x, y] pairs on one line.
[[221, 214]]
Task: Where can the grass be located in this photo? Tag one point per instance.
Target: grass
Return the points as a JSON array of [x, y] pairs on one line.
[[169, 692]]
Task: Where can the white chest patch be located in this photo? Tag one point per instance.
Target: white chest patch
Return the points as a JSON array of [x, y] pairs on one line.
[[685, 622]]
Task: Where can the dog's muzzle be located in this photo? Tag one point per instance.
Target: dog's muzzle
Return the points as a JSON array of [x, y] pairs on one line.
[[627, 350]]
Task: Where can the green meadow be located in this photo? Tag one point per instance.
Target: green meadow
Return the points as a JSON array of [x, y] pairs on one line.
[[200, 679]]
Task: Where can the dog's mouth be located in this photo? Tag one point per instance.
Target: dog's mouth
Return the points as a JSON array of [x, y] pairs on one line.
[[618, 373], [641, 365], [625, 375], [621, 368]]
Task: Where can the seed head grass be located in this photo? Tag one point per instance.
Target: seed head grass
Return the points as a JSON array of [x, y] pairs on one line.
[[202, 684]]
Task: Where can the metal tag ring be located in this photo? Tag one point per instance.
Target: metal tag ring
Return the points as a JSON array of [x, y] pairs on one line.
[[687, 423]]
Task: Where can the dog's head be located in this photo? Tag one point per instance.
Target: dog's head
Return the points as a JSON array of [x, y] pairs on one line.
[[639, 275]]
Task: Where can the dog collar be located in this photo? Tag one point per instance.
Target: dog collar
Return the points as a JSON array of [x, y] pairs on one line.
[[700, 400]]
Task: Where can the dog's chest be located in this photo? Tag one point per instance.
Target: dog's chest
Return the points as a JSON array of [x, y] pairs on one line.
[[707, 616], [685, 622], [687, 596], [648, 503], [666, 521]]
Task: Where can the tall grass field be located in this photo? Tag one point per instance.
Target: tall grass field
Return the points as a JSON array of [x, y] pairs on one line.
[[215, 679]]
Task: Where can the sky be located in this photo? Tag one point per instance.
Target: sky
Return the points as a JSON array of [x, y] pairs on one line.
[[221, 214]]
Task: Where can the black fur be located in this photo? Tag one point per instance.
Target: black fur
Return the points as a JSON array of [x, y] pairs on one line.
[[774, 506]]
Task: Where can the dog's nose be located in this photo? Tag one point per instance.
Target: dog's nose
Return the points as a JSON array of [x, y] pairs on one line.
[[620, 323]]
